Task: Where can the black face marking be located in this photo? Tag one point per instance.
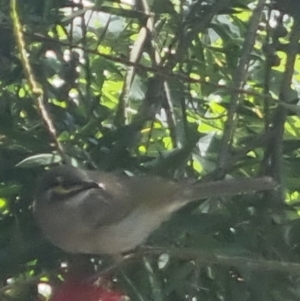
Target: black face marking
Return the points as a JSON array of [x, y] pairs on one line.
[[67, 189], [62, 182]]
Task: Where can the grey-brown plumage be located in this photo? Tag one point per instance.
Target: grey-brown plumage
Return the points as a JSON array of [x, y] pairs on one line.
[[95, 212]]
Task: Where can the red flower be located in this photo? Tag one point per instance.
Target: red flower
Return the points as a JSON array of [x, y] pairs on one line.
[[74, 290]]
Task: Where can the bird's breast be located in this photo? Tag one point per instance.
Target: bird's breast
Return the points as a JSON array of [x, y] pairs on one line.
[[70, 233]]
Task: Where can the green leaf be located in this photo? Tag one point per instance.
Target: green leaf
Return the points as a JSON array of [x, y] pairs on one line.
[[39, 160]]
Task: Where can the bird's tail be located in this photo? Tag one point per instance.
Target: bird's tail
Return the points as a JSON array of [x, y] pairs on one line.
[[202, 190]]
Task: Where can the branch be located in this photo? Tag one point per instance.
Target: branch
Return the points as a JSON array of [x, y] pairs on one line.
[[211, 257]]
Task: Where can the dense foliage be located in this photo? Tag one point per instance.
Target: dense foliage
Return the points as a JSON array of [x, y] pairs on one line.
[[198, 89]]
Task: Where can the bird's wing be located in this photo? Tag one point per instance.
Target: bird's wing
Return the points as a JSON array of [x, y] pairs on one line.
[[107, 204]]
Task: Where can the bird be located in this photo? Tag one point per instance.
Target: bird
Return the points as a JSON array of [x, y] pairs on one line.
[[94, 212]]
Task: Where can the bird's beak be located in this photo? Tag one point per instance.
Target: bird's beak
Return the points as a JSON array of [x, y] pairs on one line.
[[91, 184]]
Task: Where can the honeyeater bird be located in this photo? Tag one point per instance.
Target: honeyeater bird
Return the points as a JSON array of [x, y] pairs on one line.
[[96, 212]]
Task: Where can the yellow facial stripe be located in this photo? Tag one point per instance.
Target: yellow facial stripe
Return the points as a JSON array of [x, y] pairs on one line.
[[59, 189]]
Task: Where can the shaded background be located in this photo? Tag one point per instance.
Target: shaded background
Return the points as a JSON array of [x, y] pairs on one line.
[[199, 89]]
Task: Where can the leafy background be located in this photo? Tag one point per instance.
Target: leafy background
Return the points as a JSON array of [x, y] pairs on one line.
[[201, 89]]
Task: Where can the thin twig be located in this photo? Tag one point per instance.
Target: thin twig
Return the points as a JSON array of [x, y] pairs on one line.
[[238, 81], [35, 88]]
